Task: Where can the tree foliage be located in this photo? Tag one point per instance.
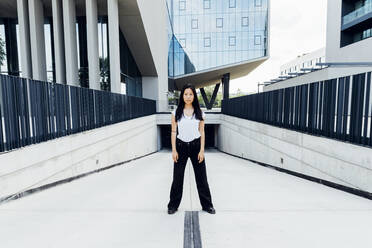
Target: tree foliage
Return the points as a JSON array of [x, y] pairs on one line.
[[2, 51], [239, 92], [173, 98], [104, 73], [209, 92]]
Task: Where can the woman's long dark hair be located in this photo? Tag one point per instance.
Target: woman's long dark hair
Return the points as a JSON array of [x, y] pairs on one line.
[[195, 104]]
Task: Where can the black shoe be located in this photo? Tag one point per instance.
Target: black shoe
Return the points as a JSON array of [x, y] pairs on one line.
[[210, 210], [171, 210]]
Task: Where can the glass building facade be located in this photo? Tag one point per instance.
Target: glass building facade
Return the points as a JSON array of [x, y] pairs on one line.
[[205, 34], [130, 73], [356, 21]]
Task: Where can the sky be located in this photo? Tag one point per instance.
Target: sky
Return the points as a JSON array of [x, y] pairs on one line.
[[296, 27]]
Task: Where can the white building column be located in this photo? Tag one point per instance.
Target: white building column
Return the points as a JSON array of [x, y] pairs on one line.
[[114, 46], [24, 38], [36, 15], [59, 46], [156, 88], [71, 59], [93, 57]]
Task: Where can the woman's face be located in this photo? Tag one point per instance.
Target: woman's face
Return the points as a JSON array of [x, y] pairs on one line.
[[188, 96]]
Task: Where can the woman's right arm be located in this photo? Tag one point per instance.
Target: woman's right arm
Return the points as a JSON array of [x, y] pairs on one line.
[[173, 139]]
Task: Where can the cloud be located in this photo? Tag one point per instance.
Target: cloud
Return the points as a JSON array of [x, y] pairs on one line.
[[296, 27]]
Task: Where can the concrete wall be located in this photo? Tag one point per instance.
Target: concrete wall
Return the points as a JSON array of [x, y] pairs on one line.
[[156, 89], [210, 118], [41, 164], [323, 158], [37, 165]]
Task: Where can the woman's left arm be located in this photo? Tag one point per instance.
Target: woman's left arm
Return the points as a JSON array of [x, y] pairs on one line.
[[202, 141]]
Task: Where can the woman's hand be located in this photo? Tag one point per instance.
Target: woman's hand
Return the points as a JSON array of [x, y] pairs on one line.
[[175, 156], [201, 156]]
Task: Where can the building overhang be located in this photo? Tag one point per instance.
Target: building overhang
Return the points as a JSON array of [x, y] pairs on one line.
[[213, 76], [8, 8], [132, 26]]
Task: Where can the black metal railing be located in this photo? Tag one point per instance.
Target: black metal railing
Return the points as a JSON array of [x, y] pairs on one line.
[[339, 108], [34, 111]]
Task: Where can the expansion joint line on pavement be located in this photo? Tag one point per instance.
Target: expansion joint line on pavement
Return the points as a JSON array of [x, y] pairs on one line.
[[192, 238]]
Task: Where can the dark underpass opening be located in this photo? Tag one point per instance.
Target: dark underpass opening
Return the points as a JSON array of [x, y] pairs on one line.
[[209, 130]]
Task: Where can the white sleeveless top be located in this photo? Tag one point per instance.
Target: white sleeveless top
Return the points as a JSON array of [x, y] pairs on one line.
[[188, 127]]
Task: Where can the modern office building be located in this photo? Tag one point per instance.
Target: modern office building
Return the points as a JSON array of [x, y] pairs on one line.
[[70, 42], [349, 24], [304, 61], [348, 43], [212, 38]]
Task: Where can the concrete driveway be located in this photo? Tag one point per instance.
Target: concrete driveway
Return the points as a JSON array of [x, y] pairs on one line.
[[126, 206]]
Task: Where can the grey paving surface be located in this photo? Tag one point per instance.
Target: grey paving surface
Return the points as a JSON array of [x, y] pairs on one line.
[[126, 207]]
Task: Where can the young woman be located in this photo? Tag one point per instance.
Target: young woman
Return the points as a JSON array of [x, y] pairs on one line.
[[188, 120]]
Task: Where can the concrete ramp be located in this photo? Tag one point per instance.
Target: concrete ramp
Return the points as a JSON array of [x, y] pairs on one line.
[[126, 206]]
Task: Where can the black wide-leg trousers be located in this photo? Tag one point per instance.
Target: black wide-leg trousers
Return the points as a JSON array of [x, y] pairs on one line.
[[189, 150]]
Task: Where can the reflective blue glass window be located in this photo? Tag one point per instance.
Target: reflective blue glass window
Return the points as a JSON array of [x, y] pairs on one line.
[[258, 3], [245, 21], [182, 5], [219, 22], [194, 23], [207, 4], [183, 43], [207, 41], [232, 3], [257, 39], [232, 40], [367, 33]]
